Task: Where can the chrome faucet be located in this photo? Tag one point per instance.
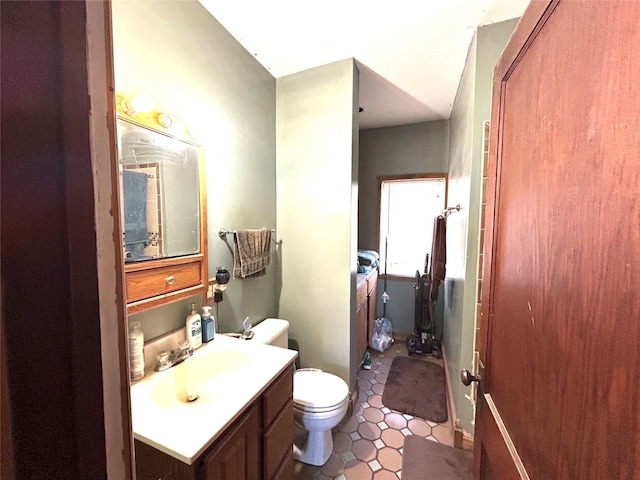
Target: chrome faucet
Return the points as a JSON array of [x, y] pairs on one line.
[[165, 360]]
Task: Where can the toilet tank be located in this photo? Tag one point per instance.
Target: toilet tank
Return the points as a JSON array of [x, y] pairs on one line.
[[272, 331]]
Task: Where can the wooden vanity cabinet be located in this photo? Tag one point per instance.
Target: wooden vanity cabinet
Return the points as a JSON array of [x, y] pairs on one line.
[[237, 455], [159, 282], [277, 439], [362, 316], [257, 446], [152, 464], [365, 312]]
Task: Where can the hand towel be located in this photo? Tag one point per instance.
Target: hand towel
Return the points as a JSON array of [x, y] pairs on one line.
[[437, 271], [136, 237], [367, 257], [251, 253], [134, 186]]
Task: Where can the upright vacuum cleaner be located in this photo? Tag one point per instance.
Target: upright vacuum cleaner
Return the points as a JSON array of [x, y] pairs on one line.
[[423, 341]]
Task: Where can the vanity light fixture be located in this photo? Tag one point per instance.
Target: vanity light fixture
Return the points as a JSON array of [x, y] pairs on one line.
[[165, 120], [139, 104], [195, 132]]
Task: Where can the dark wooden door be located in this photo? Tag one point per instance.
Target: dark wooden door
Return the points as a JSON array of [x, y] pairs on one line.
[[561, 298]]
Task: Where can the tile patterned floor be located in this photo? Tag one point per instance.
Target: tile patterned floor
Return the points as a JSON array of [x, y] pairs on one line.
[[368, 444]]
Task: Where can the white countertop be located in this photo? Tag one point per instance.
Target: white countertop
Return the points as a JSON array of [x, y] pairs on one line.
[[185, 430]]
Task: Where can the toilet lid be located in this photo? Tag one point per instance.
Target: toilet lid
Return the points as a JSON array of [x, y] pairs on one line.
[[314, 390]]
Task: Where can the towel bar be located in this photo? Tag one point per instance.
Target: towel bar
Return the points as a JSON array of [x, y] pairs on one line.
[[448, 211], [222, 233]]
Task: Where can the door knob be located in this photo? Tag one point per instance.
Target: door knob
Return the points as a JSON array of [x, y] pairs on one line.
[[466, 378]]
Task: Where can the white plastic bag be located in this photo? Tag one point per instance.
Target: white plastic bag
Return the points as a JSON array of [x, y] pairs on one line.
[[382, 337]]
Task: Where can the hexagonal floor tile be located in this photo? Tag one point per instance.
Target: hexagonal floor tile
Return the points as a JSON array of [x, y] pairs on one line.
[[381, 377], [373, 415], [365, 375], [334, 466], [378, 388], [375, 401], [369, 431], [359, 472], [393, 438], [364, 385], [384, 475], [302, 471], [419, 427], [395, 420], [364, 450], [350, 426], [384, 368], [443, 433], [341, 442], [390, 459]]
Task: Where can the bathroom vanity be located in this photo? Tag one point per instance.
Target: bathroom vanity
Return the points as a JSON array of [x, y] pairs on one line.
[[366, 288], [241, 426]]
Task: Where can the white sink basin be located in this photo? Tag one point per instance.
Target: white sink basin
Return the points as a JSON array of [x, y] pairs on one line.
[[198, 380], [225, 375]]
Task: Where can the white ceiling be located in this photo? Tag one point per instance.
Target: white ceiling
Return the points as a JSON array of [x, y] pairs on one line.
[[410, 53]]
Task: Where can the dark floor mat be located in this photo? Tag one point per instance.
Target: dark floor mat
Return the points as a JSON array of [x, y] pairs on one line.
[[416, 387], [423, 459]]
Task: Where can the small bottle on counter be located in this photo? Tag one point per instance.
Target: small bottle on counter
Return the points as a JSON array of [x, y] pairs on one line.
[[136, 351], [194, 328], [208, 324]]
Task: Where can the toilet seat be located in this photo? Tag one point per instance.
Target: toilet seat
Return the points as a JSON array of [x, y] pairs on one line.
[[318, 392], [319, 411]]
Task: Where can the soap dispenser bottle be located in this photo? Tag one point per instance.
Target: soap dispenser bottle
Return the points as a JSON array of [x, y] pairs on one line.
[[194, 328], [208, 324]]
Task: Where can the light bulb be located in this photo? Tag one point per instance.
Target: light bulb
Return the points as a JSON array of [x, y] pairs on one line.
[[142, 103], [138, 104]]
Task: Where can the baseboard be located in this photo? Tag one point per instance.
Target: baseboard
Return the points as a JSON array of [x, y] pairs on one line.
[[447, 381], [462, 439], [400, 337]]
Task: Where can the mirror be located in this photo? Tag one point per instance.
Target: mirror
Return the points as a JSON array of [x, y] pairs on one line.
[[160, 194]]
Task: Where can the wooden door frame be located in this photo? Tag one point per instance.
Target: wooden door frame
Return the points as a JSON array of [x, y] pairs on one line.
[[118, 432]]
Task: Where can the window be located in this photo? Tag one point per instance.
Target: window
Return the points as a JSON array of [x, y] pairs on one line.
[[408, 206]]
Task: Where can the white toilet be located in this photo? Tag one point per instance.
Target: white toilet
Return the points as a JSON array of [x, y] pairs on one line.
[[320, 399]]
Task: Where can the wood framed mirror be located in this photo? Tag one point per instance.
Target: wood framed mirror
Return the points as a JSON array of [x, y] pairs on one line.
[[162, 209]]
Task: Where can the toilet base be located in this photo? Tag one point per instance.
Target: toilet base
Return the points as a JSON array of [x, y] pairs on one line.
[[313, 449]]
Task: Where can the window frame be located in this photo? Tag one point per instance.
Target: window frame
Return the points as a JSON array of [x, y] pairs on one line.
[[409, 176]]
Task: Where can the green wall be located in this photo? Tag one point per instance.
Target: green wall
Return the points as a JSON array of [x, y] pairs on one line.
[[416, 148], [316, 205], [176, 52], [194, 69], [471, 108], [454, 147]]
